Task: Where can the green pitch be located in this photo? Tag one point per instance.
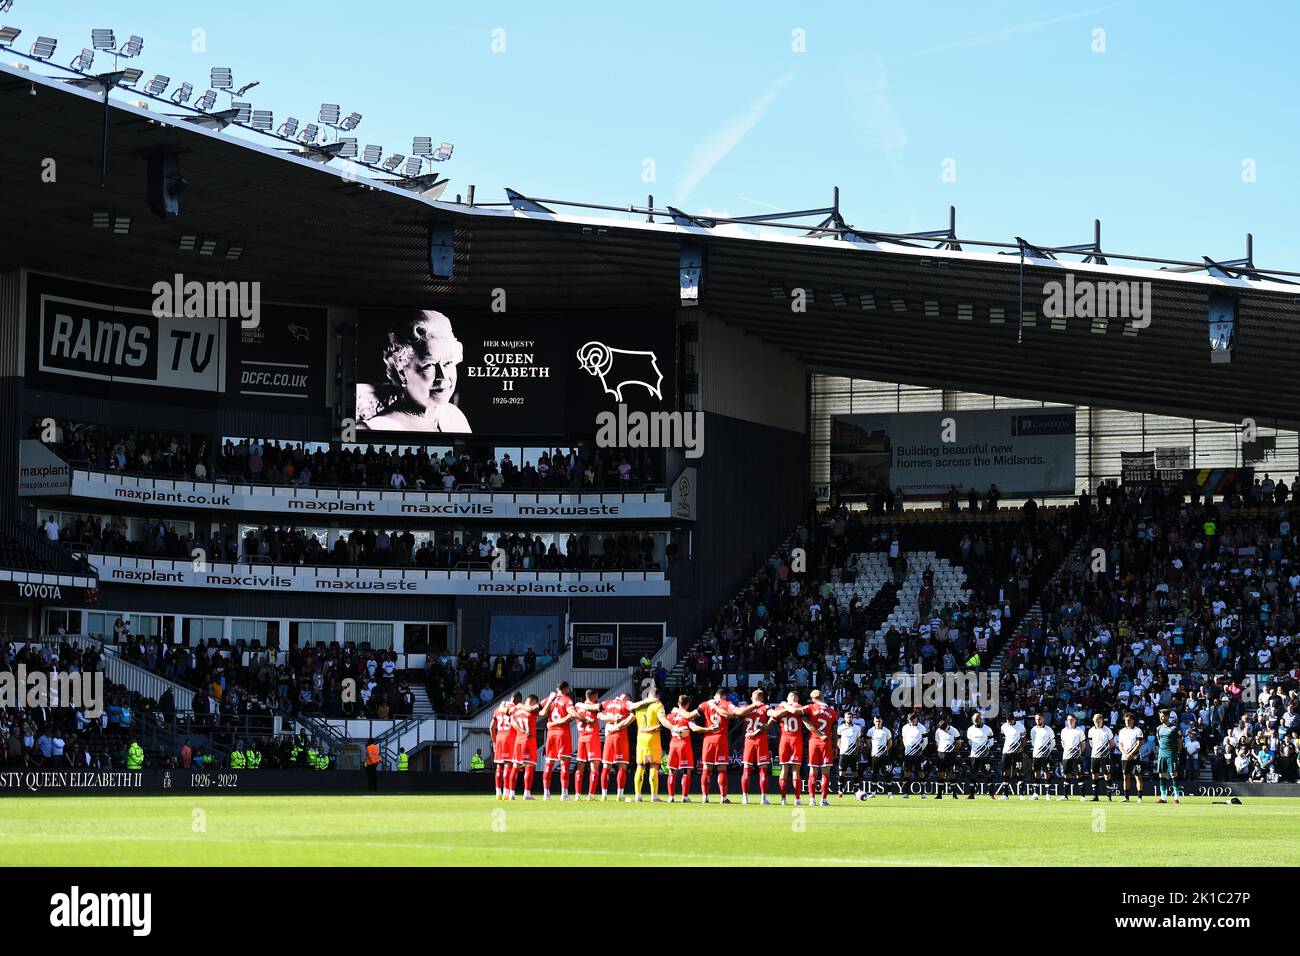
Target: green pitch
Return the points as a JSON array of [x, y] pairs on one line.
[[441, 830]]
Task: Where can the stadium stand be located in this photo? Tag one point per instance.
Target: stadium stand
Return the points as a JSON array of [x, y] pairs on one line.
[[301, 464]]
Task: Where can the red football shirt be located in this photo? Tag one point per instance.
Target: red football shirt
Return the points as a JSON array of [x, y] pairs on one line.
[[502, 719], [716, 713], [561, 707], [756, 721], [619, 709], [588, 731], [679, 725], [822, 717], [525, 722], [791, 725]]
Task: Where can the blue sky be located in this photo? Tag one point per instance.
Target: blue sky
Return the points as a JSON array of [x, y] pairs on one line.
[[1043, 131]]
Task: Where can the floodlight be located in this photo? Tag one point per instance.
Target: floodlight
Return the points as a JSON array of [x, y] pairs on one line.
[[206, 101], [101, 220], [132, 47], [82, 61], [350, 121], [243, 112], [103, 40], [234, 250], [8, 35], [188, 242], [443, 152], [288, 128], [158, 85], [130, 76], [121, 225], [347, 147], [371, 154], [222, 78], [422, 146], [207, 247], [6, 5], [413, 166], [182, 93], [393, 161], [329, 114], [309, 133], [263, 120], [43, 48]]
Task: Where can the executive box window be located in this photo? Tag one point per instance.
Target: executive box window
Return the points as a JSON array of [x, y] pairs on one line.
[[13, 620], [200, 630], [56, 618], [311, 633], [266, 633], [427, 638], [378, 636], [517, 633]]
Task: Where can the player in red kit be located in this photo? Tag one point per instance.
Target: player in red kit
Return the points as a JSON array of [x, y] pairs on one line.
[[559, 713], [524, 717], [503, 742], [757, 754], [715, 713], [819, 717], [617, 715], [587, 717], [789, 718], [681, 756]]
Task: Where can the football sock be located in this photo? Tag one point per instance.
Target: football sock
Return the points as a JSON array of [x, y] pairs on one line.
[[654, 781], [604, 780], [744, 781], [638, 779], [762, 780]]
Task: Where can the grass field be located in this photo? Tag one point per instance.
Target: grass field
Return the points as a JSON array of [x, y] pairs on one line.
[[453, 830]]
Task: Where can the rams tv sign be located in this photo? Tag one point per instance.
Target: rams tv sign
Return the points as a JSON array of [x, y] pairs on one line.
[[81, 336]]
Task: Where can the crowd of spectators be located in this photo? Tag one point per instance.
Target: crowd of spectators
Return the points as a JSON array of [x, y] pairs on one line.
[[383, 548], [625, 551], [53, 735], [129, 451], [1162, 601], [797, 633], [468, 682], [307, 680]]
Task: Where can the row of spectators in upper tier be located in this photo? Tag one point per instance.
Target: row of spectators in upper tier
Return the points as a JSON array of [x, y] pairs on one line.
[[102, 448], [366, 547]]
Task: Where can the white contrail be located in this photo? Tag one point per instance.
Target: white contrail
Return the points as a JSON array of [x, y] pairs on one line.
[[1006, 33], [715, 149]]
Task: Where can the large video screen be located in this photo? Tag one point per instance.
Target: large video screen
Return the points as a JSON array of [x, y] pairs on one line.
[[924, 454], [486, 373], [138, 345]]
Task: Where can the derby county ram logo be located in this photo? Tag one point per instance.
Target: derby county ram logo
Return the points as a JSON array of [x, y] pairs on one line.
[[618, 368]]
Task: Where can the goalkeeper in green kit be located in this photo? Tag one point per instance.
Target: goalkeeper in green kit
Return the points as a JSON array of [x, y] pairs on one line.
[[1169, 745]]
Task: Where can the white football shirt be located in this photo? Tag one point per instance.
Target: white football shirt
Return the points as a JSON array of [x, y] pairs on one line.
[[981, 739], [1042, 740], [880, 738], [1013, 736], [1129, 738], [1071, 741], [913, 739]]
